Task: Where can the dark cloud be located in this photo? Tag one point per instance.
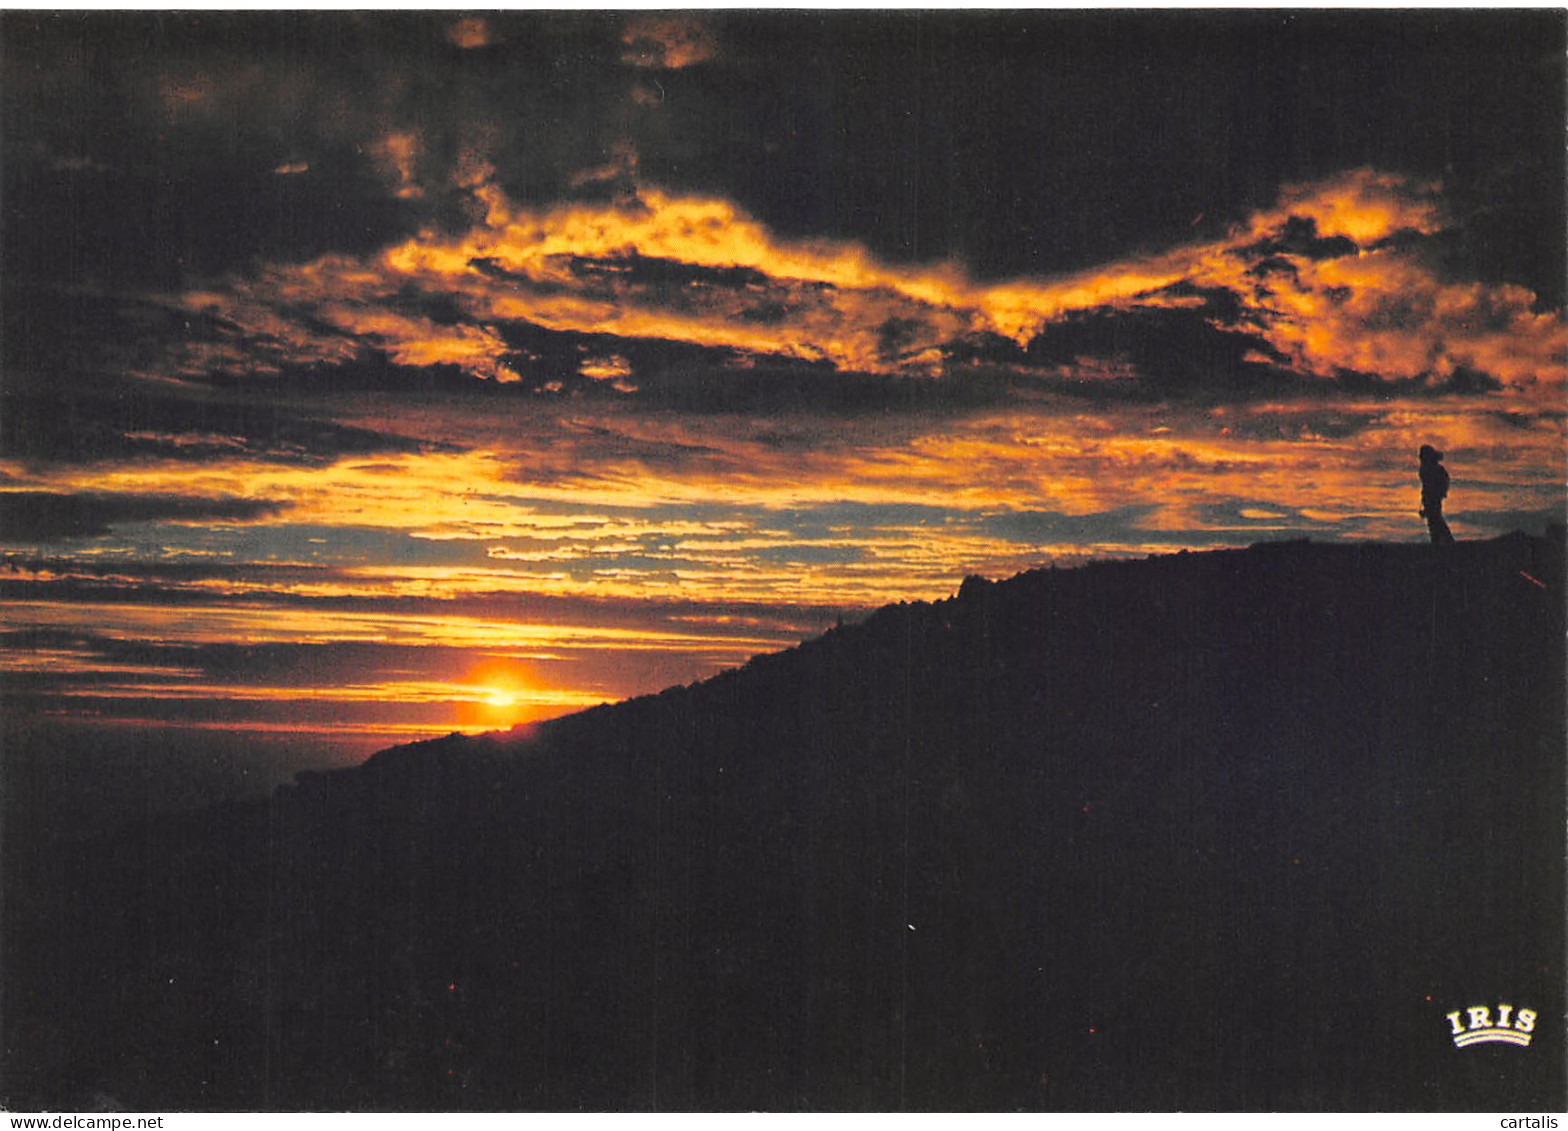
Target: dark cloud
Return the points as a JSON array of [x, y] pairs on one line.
[[666, 277], [710, 380], [168, 584], [1301, 423], [164, 573], [1033, 143], [83, 338], [271, 664], [1033, 527], [1529, 421], [1466, 380], [1021, 142], [179, 123], [1221, 524], [816, 391], [546, 357], [370, 370], [43, 516], [236, 136], [1160, 352], [91, 428]]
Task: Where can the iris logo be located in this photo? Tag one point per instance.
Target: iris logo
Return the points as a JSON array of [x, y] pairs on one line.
[[1510, 1028]]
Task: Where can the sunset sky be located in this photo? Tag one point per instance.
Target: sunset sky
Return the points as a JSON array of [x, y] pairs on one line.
[[371, 376]]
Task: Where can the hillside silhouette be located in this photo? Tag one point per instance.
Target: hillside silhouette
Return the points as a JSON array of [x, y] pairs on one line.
[[1231, 830]]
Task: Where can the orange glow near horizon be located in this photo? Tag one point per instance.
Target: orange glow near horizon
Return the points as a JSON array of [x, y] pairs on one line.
[[632, 542]]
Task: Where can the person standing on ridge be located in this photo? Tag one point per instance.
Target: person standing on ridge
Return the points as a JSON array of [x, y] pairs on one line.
[[1434, 489]]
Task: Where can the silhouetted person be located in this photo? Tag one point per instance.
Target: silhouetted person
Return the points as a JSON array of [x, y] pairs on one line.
[[1434, 489]]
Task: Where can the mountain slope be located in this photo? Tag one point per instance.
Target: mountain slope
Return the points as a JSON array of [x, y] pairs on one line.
[[1228, 830]]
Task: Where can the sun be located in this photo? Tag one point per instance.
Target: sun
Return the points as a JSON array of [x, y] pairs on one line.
[[501, 697], [493, 693]]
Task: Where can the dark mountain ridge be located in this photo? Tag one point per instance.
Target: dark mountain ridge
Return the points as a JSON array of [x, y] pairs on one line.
[[1231, 830]]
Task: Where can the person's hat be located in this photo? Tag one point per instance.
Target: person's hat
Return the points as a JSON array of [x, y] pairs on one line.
[[1429, 452]]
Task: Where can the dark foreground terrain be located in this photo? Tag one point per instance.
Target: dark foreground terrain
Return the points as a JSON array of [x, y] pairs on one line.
[[1211, 831]]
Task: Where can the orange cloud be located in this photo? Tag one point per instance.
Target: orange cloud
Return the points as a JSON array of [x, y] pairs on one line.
[[570, 503], [1384, 314], [420, 341], [1365, 305]]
